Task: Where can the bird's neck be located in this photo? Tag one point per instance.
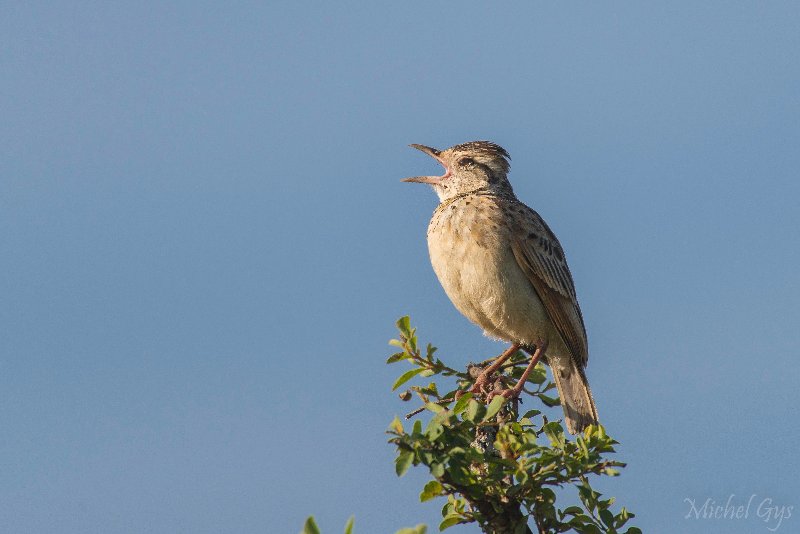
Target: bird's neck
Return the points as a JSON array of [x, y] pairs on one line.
[[480, 191]]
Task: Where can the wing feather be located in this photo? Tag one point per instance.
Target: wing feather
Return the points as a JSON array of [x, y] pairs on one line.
[[541, 257]]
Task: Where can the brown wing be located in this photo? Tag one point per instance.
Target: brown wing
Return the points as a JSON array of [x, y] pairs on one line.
[[541, 257]]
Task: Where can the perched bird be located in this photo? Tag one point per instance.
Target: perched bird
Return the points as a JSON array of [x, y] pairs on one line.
[[504, 269]]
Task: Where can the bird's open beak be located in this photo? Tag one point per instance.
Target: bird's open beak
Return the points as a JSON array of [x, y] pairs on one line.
[[432, 152]]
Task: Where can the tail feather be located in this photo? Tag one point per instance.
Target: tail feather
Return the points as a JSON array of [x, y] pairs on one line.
[[576, 397]]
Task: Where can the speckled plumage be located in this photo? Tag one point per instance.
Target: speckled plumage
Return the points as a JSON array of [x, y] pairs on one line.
[[504, 269]]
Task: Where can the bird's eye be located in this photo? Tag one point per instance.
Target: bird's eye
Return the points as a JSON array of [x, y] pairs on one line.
[[463, 162]]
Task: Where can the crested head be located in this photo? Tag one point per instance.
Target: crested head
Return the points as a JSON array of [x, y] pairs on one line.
[[473, 166], [484, 152]]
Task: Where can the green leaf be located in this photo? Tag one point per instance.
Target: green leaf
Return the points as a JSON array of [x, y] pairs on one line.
[[419, 529], [633, 530], [403, 462], [494, 407], [432, 489], [405, 377], [550, 401], [397, 356], [434, 429], [429, 352], [348, 528], [430, 389], [554, 431], [591, 529], [584, 448], [396, 425], [475, 411], [547, 495], [538, 375], [417, 427], [607, 517], [449, 521], [447, 509], [435, 407], [404, 324], [461, 403], [437, 470], [605, 504], [582, 523], [622, 517], [588, 496], [310, 527]]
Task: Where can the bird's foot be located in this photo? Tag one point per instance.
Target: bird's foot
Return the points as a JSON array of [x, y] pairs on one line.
[[483, 375], [479, 386], [509, 393], [513, 393]]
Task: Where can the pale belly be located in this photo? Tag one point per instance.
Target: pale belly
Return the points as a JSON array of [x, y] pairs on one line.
[[474, 262]]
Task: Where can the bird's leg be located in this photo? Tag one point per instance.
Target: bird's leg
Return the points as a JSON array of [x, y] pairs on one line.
[[514, 392], [483, 378]]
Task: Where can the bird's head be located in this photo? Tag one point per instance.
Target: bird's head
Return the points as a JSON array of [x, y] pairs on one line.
[[477, 165]]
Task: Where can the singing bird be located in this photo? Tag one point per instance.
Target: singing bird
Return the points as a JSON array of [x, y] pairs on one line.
[[504, 269]]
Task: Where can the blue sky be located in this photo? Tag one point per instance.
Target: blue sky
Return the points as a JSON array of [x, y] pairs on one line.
[[206, 243]]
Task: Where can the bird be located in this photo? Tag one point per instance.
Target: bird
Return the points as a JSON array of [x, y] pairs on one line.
[[504, 269]]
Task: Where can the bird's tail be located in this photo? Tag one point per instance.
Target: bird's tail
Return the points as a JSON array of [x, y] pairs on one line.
[[576, 397]]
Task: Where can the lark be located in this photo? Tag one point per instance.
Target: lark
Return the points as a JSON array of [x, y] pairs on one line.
[[504, 269]]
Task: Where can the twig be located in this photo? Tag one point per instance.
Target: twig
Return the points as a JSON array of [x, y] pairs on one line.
[[422, 409]]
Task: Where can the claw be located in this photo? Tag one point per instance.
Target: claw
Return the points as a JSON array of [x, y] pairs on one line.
[[513, 393]]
